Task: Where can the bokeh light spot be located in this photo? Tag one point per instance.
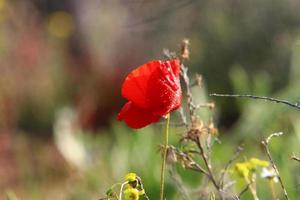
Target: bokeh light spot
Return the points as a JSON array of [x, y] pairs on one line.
[[60, 25]]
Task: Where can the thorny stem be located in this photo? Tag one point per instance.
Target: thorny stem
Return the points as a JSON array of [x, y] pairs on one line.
[[265, 144], [294, 105], [163, 166]]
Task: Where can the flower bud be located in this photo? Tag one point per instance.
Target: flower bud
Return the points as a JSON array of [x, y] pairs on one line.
[[130, 177], [171, 156], [131, 194], [185, 52]]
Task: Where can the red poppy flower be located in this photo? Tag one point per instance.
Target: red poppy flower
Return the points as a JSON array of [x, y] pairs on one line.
[[152, 90]]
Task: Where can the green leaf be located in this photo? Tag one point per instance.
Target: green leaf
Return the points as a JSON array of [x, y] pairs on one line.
[[109, 193]]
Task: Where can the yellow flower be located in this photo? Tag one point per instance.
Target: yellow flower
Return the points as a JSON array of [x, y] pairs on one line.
[[242, 169], [141, 192], [245, 168], [131, 194], [130, 177], [254, 162]]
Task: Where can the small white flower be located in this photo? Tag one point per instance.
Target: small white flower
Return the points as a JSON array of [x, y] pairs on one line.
[[269, 173]]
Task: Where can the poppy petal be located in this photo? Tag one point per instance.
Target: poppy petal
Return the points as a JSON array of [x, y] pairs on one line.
[[175, 65], [135, 86], [136, 117], [164, 91], [155, 86]]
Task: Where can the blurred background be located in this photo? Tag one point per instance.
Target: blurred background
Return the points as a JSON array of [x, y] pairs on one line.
[[62, 64]]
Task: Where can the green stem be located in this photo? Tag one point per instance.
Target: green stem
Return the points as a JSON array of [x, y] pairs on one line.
[[271, 184], [163, 166], [252, 186], [121, 190]]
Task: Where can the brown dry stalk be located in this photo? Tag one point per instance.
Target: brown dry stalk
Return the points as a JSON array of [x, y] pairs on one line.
[[233, 158], [209, 167], [294, 105], [293, 157], [265, 144]]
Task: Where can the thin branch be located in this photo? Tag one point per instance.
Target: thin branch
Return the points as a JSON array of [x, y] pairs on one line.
[[205, 105], [294, 105], [196, 167], [235, 197], [193, 151], [233, 158], [192, 116], [208, 165], [192, 108], [293, 157], [244, 190], [189, 97], [183, 118], [265, 144], [192, 164], [229, 184], [267, 140]]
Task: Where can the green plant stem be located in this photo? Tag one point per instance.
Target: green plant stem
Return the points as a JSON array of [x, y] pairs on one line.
[[163, 166], [271, 185], [252, 186], [121, 190]]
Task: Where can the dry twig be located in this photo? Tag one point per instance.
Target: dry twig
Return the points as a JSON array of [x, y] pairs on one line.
[[244, 190], [294, 105], [293, 157], [189, 162], [192, 124], [208, 165], [265, 144], [233, 158], [192, 108]]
